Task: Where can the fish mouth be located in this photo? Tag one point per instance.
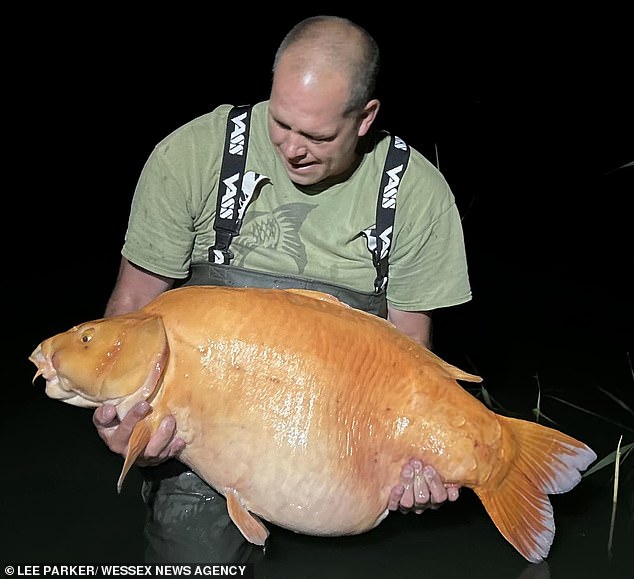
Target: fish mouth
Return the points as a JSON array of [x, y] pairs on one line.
[[44, 365], [46, 369], [56, 388]]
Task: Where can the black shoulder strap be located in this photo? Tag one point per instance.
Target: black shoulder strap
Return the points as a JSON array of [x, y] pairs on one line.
[[379, 238], [230, 191]]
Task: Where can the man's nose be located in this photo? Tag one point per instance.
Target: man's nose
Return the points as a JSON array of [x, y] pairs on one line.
[[294, 146]]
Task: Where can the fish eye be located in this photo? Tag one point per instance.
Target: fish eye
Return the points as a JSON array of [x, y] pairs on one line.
[[87, 335]]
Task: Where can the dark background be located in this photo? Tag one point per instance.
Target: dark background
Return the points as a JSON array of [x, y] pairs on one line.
[[530, 117]]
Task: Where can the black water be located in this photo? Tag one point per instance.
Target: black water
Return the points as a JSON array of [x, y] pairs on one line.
[[532, 151]]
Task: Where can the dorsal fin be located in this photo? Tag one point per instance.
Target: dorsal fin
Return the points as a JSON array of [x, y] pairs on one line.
[[317, 295]]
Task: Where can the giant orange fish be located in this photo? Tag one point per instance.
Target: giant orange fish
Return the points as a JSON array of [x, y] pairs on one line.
[[301, 411]]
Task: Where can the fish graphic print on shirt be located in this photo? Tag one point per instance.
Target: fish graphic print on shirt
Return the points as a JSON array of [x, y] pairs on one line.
[[276, 230]]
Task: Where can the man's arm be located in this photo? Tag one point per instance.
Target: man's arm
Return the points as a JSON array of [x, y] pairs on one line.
[[416, 325], [421, 486], [135, 288]]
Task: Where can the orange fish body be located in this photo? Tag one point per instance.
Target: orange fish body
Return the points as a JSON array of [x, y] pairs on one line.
[[301, 411]]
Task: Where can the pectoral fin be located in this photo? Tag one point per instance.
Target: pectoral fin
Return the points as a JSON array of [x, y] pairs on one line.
[[138, 441], [250, 526]]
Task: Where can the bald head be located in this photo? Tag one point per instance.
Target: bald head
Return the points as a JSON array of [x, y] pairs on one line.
[[328, 46]]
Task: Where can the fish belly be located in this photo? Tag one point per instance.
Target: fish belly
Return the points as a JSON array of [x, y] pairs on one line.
[[289, 467]]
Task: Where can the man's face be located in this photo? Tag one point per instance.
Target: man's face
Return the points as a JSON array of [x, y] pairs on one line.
[[312, 137]]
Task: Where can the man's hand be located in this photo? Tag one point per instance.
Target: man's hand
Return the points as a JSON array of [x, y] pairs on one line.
[[420, 488], [164, 443]]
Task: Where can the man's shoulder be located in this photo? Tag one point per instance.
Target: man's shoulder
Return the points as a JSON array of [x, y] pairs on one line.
[[206, 128], [420, 171]]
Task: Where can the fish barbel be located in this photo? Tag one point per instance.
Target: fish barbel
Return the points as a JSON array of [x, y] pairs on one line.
[[301, 411]]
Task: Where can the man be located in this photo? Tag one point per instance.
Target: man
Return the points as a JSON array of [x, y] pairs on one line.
[[302, 214]]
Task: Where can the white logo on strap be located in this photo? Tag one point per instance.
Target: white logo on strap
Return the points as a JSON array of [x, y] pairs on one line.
[[228, 201], [385, 237], [236, 141], [388, 200]]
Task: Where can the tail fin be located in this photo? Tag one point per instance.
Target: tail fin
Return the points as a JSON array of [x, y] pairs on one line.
[[547, 462]]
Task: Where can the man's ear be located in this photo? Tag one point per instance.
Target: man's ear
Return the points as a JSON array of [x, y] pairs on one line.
[[368, 115]]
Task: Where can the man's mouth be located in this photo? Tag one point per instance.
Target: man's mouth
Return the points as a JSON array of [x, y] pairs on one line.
[[299, 166]]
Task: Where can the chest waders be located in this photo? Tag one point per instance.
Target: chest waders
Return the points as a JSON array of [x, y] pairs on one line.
[[187, 520]]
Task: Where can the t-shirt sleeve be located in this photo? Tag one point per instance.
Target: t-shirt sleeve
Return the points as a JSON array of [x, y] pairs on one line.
[[175, 197], [428, 264], [160, 233]]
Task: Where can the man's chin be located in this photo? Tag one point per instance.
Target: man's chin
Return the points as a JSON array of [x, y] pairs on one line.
[[304, 179]]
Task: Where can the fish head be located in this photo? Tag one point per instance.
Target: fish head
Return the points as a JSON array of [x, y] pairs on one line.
[[116, 360]]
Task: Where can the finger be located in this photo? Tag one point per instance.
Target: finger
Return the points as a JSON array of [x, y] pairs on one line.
[[159, 444], [453, 491], [420, 487], [177, 445], [407, 480], [437, 490], [105, 416], [121, 435], [395, 497], [138, 412]]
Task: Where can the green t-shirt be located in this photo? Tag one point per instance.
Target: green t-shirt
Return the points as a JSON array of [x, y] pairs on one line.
[[292, 230]]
